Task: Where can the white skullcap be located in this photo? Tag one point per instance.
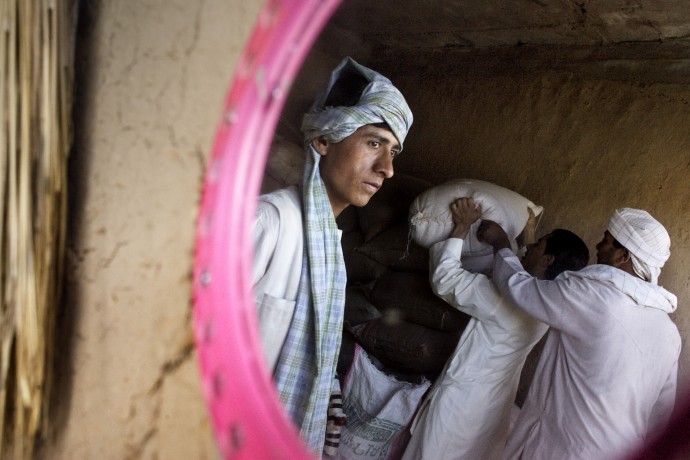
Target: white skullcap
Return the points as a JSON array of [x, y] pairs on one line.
[[645, 238]]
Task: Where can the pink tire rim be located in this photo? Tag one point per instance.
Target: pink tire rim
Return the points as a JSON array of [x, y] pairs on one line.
[[248, 420], [247, 417]]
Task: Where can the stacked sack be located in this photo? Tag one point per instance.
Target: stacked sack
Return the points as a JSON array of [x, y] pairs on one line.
[[390, 309]]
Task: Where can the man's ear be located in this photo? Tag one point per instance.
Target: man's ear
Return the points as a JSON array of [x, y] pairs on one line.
[[622, 257], [547, 260], [320, 145]]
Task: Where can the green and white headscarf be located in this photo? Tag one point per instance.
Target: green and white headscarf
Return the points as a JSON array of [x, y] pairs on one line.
[[645, 238], [307, 364], [381, 102]]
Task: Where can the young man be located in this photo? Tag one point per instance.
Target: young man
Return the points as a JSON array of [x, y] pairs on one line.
[[467, 413], [607, 375], [352, 133]]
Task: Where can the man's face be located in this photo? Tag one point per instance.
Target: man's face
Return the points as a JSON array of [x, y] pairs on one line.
[[354, 168], [534, 254], [607, 253]]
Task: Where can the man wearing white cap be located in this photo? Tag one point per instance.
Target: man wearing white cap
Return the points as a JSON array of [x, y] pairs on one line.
[[352, 133], [606, 379]]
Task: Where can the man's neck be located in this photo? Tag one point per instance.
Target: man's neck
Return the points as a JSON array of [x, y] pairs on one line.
[[627, 267]]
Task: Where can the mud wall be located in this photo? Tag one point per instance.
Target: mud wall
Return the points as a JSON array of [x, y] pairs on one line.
[[151, 82]]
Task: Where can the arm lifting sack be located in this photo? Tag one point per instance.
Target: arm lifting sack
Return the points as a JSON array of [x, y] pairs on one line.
[[431, 220]]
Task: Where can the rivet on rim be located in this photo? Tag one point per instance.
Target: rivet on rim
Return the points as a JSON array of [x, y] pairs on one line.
[[230, 116], [207, 335], [205, 277], [218, 384], [236, 438], [276, 93]]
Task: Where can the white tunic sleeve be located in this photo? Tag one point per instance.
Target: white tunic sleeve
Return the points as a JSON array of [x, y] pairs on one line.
[[469, 292], [563, 304]]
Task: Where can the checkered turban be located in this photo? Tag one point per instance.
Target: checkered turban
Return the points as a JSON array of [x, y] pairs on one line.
[[380, 102], [645, 238]]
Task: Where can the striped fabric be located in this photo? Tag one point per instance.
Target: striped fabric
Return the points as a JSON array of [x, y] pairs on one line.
[[307, 363], [336, 420], [645, 238], [381, 102]]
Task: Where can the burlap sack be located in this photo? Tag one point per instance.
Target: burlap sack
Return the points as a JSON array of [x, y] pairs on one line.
[[379, 408], [358, 307], [395, 249], [406, 346], [390, 205], [410, 296], [359, 267]]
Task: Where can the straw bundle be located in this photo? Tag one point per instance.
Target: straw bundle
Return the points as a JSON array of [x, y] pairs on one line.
[[36, 56]]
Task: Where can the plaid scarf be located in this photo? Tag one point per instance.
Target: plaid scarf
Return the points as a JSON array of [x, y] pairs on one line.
[[307, 363]]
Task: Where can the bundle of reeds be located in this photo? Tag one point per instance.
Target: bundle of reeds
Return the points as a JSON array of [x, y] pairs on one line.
[[36, 62]]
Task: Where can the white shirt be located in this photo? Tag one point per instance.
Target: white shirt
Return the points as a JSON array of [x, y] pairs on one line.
[[607, 374], [467, 412], [278, 255]]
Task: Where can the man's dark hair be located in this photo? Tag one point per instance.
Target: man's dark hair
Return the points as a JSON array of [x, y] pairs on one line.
[[569, 251]]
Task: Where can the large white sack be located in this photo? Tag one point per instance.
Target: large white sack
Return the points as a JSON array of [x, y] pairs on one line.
[[379, 409], [431, 220]]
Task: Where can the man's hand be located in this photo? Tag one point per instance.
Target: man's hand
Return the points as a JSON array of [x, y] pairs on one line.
[[465, 212], [491, 233]]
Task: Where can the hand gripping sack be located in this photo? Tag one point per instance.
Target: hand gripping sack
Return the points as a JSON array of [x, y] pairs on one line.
[[431, 220]]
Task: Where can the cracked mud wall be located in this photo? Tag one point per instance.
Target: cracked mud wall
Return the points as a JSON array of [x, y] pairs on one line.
[[152, 77]]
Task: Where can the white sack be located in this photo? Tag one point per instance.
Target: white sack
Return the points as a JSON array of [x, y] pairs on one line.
[[431, 220], [378, 408]]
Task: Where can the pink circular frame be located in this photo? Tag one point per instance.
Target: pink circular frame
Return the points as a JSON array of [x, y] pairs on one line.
[[247, 417]]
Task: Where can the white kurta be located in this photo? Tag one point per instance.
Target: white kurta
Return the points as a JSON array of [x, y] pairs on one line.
[[278, 255], [467, 412], [607, 373]]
